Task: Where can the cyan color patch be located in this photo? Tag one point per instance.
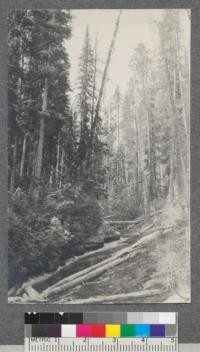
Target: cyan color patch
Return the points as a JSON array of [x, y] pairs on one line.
[[142, 330]]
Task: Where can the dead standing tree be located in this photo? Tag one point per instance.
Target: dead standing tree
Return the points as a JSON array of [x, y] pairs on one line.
[[99, 100]]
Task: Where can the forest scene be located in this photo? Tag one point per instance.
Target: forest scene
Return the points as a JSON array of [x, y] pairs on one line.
[[99, 156]]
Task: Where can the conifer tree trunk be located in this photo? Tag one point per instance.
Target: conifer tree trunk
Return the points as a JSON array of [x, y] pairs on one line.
[[146, 103], [14, 160], [103, 82], [58, 162], [62, 166], [137, 156], [140, 153], [94, 82], [175, 148], [152, 156], [23, 155], [179, 79], [39, 156]]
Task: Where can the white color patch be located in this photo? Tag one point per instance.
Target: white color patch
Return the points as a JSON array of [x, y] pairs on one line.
[[167, 318], [68, 331]]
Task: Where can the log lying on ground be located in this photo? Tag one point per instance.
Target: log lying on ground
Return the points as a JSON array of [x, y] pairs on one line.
[[41, 279], [132, 222], [13, 290], [31, 294], [32, 282], [148, 227], [17, 291], [80, 273], [96, 270], [118, 297], [83, 278], [121, 222], [89, 275]]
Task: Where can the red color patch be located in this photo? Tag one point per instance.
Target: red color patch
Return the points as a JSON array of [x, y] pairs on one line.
[[98, 330]]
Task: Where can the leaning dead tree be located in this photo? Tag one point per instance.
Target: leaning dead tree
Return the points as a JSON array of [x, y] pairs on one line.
[[102, 87], [110, 52]]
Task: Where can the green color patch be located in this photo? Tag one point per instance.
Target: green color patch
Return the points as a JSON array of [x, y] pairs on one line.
[[127, 330]]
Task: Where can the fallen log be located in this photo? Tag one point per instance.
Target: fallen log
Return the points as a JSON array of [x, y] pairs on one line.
[[13, 290], [116, 298], [80, 280], [92, 272], [148, 227], [17, 291], [31, 294], [93, 267], [109, 216], [113, 222]]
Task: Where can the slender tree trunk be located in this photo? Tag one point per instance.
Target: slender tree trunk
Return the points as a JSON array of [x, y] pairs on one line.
[[58, 163], [171, 96], [175, 137], [94, 82], [14, 161], [152, 154], [118, 156], [179, 76], [140, 143], [146, 103], [19, 101], [137, 155], [23, 155], [39, 156], [89, 154], [103, 82], [62, 166], [51, 178]]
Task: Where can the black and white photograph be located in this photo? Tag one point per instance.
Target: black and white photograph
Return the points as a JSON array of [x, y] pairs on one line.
[[99, 156]]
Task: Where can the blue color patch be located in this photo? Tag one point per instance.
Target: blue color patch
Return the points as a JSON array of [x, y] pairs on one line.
[[142, 330]]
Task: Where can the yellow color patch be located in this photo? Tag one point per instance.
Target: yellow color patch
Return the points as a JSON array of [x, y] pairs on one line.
[[112, 330]]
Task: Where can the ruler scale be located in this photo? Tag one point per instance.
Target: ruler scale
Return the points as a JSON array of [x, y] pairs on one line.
[[101, 332], [101, 345]]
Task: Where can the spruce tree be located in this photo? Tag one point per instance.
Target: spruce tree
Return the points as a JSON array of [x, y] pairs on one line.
[[38, 87], [85, 101]]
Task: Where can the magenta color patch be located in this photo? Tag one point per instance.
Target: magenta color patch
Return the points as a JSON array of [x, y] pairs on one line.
[[83, 330]]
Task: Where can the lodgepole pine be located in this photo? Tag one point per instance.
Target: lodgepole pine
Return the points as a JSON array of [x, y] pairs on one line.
[[39, 156], [23, 155], [14, 160]]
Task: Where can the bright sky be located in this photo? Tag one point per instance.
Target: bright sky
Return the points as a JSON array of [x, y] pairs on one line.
[[136, 26]]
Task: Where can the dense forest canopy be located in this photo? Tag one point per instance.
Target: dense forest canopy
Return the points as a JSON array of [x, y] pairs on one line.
[[70, 164]]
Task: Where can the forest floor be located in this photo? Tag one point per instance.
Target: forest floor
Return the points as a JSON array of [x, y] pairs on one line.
[[142, 271]]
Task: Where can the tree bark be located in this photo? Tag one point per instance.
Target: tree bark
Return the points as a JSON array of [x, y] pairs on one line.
[[94, 82], [39, 156], [140, 150], [176, 147], [58, 163], [23, 155], [14, 160], [62, 166]]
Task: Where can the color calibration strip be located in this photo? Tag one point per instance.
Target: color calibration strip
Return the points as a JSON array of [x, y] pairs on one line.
[[100, 330], [101, 325]]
